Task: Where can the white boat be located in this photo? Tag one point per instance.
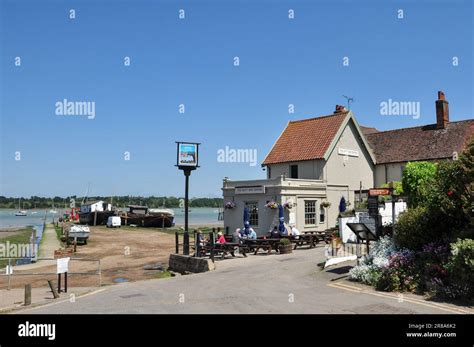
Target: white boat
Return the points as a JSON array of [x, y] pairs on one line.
[[20, 213], [79, 232]]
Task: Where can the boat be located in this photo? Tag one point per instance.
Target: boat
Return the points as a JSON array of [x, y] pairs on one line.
[[53, 210], [80, 233], [20, 213], [142, 216]]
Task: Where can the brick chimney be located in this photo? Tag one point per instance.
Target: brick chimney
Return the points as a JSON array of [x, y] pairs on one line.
[[442, 111], [340, 108]]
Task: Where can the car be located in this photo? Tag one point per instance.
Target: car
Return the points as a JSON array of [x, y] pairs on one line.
[[114, 221]]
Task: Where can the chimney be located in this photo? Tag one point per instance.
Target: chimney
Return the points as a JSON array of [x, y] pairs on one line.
[[442, 111], [340, 108]]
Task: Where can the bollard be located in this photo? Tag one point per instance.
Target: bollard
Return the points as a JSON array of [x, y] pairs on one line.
[[186, 243], [53, 289], [177, 242], [27, 294]]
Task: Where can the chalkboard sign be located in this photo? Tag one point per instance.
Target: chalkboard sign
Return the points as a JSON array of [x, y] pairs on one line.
[[373, 204]]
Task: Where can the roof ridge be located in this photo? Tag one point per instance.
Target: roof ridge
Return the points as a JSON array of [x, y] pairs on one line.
[[319, 117], [418, 126]]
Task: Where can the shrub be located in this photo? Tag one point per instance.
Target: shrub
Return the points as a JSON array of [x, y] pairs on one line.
[[285, 242], [364, 273], [400, 274]]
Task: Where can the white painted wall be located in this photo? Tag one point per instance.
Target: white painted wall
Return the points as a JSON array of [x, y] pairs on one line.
[[385, 173], [354, 169], [307, 169]]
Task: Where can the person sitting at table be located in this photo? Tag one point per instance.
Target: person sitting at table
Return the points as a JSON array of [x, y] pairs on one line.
[[274, 234], [220, 238], [200, 238], [236, 236], [295, 232], [252, 234]]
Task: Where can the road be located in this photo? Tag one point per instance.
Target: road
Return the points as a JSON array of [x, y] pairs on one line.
[[290, 283]]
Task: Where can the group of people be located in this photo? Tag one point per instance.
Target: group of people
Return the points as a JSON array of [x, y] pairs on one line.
[[247, 233], [291, 231]]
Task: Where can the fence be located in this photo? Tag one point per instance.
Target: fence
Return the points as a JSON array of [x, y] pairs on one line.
[[334, 250], [28, 275], [185, 245]]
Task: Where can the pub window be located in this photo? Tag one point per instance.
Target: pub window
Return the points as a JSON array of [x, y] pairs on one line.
[[310, 212], [253, 211], [322, 214], [293, 171]]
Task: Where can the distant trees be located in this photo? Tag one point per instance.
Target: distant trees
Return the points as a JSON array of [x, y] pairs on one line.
[[121, 201]]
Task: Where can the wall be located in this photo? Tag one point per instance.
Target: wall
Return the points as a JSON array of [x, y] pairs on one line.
[[308, 169], [385, 173], [353, 170]]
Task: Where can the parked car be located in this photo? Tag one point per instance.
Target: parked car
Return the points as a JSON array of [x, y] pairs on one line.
[[114, 221]]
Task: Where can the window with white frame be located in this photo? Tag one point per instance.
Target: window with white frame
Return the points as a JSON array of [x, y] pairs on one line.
[[253, 211], [310, 212]]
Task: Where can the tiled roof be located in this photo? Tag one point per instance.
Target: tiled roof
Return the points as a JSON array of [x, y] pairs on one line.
[[419, 143], [305, 139]]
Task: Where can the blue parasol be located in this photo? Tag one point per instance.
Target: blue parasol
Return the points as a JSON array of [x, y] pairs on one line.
[[246, 221], [342, 205], [281, 219]]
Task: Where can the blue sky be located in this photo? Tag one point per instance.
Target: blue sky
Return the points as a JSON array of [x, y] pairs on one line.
[[190, 62]]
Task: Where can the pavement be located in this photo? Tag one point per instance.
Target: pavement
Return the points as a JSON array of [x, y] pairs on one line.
[[290, 283]]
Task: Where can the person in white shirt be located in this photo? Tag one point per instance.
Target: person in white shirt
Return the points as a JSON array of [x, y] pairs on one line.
[[295, 232]]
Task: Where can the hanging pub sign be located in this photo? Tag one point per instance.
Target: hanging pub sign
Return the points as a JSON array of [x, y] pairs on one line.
[[187, 155], [380, 191]]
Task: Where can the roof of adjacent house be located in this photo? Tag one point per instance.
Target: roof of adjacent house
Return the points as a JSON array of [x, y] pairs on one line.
[[419, 143], [306, 139]]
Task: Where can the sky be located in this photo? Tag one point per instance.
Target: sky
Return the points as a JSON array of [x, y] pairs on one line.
[[191, 61]]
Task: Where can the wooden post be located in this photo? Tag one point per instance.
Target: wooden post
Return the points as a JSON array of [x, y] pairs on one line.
[[65, 282], [59, 283], [186, 243], [53, 289], [177, 242], [27, 294], [211, 240], [95, 217]]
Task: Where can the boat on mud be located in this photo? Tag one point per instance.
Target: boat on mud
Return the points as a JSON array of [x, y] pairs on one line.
[[143, 216]]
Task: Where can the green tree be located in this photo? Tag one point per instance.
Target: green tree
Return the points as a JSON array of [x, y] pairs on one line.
[[417, 180]]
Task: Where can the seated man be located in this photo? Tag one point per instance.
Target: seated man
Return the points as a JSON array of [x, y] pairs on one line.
[[252, 234], [295, 232], [274, 234]]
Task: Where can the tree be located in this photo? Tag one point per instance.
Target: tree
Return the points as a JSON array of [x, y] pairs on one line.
[[418, 177]]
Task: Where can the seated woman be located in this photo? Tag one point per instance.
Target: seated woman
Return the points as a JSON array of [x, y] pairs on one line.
[[220, 238]]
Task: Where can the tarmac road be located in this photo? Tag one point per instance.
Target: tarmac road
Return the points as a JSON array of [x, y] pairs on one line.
[[291, 283]]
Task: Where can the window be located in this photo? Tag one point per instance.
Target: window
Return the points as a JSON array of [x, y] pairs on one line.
[[253, 210], [293, 171], [402, 168], [309, 212], [322, 215]]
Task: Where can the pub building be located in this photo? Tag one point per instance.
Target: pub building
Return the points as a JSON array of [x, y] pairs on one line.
[[318, 161]]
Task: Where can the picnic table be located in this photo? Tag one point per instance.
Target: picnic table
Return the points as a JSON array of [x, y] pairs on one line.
[[221, 249], [267, 244]]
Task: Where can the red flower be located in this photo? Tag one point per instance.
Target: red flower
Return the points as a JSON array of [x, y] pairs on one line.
[[450, 193]]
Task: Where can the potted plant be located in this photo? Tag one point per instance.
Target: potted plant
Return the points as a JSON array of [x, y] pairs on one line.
[[325, 204], [285, 246]]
